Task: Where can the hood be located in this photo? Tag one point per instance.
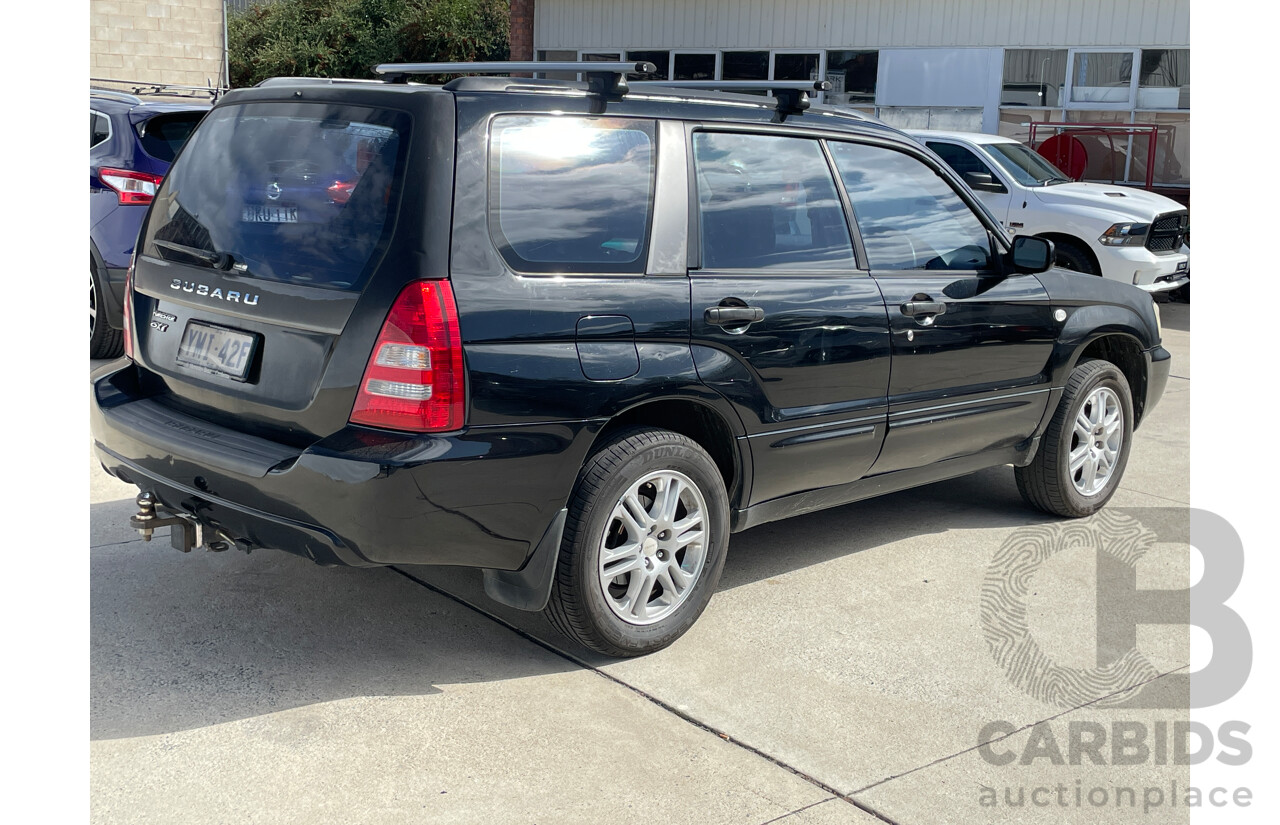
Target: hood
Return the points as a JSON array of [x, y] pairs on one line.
[[1124, 201]]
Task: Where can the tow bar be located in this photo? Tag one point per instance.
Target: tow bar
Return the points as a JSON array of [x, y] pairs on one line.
[[186, 531]]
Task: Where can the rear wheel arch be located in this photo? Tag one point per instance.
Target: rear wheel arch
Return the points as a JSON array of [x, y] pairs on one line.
[[707, 426]]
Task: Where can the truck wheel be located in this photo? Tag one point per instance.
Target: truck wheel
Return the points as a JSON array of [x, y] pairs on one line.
[[643, 546], [1085, 450], [1071, 256], [104, 341]]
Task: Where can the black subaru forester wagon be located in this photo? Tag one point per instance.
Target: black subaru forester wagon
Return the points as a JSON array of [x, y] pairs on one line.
[[575, 334]]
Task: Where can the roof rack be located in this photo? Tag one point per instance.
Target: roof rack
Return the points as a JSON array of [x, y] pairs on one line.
[[142, 87], [792, 95], [609, 79], [605, 78]]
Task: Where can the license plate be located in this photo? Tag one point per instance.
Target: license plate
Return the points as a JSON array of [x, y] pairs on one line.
[[217, 349], [269, 214]]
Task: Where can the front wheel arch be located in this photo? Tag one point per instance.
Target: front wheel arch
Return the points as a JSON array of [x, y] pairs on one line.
[[1071, 244]]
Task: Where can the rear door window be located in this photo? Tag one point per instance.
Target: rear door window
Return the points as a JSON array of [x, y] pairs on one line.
[[297, 192], [163, 135], [571, 194], [768, 202]]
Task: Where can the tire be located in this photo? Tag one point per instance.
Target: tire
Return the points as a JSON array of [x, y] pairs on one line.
[[104, 341], [1071, 256], [1094, 391], [603, 609]]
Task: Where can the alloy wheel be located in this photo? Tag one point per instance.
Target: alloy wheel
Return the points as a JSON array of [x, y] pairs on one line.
[[654, 547], [1096, 439]]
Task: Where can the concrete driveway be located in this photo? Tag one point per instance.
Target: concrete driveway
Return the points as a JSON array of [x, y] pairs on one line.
[[841, 674]]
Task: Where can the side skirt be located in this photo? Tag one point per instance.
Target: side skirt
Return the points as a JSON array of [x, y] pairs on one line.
[[812, 500]]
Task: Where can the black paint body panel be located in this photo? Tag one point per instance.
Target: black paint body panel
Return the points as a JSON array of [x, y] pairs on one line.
[[823, 401]]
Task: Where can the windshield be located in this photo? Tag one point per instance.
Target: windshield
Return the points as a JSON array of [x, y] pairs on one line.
[[1026, 167], [301, 192]]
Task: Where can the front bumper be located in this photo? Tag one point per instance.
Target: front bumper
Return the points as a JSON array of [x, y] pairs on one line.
[[479, 498], [1147, 271], [1159, 362]]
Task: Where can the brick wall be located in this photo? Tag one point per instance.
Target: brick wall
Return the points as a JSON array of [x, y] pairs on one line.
[[159, 41], [522, 29]]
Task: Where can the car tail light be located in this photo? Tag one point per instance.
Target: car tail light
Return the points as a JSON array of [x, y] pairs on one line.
[[131, 187], [414, 378], [340, 192], [128, 312]]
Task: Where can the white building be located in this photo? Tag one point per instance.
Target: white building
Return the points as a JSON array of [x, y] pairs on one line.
[[946, 64]]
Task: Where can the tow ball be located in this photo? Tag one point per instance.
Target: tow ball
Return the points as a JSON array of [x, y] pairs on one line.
[[185, 534]]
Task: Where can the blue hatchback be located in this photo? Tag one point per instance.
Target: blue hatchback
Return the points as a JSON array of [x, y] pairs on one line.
[[131, 144]]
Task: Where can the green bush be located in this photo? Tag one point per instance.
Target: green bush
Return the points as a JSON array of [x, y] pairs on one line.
[[345, 38]]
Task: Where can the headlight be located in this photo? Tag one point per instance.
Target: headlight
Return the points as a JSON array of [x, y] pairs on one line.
[[1125, 234]]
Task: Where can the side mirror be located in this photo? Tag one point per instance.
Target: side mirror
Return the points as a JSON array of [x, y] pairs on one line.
[[1031, 254], [983, 182]]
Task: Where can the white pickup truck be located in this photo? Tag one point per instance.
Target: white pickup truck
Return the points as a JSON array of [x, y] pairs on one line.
[[1120, 232]]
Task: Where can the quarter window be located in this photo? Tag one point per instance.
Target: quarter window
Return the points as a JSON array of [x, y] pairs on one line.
[[99, 129], [768, 202], [908, 216], [571, 194]]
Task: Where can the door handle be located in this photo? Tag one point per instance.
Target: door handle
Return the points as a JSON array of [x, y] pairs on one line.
[[918, 308], [730, 316]]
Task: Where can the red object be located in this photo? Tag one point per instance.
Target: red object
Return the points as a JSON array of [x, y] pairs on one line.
[[424, 316], [1109, 131], [1067, 153], [131, 187], [340, 192], [128, 312]]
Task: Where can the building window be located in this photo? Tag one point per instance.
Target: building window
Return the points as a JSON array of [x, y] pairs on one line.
[[1165, 79], [853, 77], [793, 66], [746, 66], [1102, 77], [693, 66], [1033, 77]]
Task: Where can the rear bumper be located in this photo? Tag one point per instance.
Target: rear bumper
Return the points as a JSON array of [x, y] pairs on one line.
[[479, 498]]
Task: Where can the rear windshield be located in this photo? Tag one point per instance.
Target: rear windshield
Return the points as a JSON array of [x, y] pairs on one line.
[[296, 192], [163, 135]]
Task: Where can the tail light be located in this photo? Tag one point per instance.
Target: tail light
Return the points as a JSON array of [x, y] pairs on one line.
[[340, 192], [128, 312], [131, 187], [414, 378]]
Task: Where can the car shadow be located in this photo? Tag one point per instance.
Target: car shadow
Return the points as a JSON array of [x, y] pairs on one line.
[[181, 641]]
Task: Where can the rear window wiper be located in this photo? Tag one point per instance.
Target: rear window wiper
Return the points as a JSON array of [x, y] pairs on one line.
[[217, 260]]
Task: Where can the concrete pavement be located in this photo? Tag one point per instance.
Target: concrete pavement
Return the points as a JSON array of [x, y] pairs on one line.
[[840, 674]]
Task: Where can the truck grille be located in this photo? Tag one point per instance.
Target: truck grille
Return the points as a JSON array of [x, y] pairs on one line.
[[1168, 231]]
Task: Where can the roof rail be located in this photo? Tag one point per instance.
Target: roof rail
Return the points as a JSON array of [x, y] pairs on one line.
[[142, 87], [605, 78], [792, 95], [112, 94]]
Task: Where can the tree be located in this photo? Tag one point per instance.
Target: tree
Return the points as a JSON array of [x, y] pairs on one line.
[[346, 38]]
